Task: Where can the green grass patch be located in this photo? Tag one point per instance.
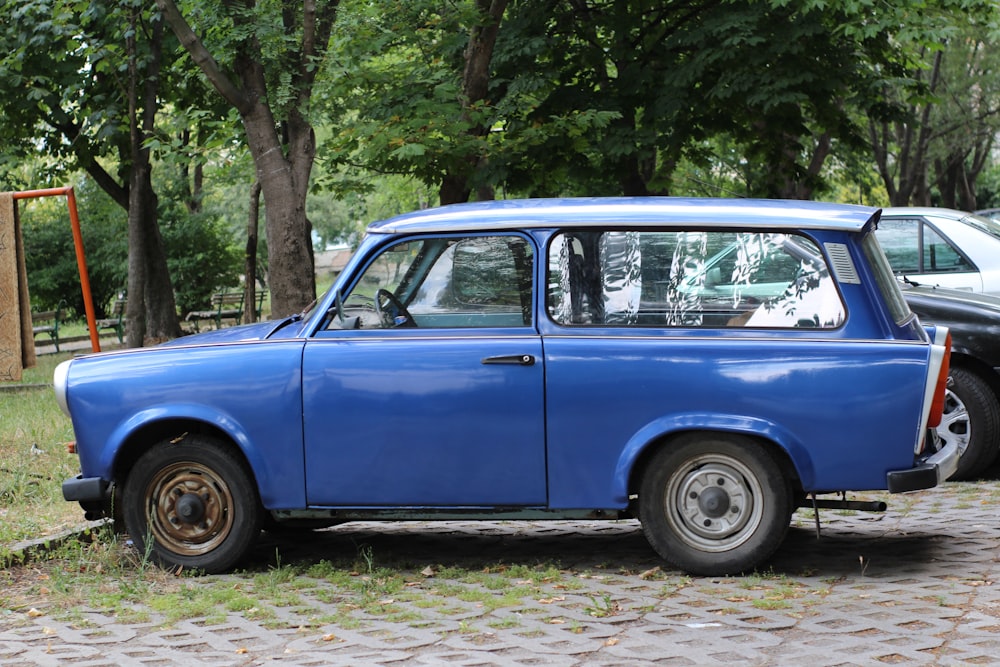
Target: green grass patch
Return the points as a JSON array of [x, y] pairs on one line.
[[34, 460]]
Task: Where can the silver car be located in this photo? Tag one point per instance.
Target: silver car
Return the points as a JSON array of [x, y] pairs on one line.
[[942, 247]]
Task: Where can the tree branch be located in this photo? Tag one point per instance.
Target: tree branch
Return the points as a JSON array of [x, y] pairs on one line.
[[194, 46]]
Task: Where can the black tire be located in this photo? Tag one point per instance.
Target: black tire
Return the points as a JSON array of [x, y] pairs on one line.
[[972, 418], [192, 504], [714, 504]]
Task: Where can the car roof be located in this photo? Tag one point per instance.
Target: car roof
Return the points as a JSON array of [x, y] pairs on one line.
[[895, 211], [631, 212]]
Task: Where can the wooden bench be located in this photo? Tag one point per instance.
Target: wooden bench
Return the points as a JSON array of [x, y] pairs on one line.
[[224, 306], [117, 320], [54, 317]]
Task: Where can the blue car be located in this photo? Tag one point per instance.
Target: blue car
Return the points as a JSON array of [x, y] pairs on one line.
[[705, 366]]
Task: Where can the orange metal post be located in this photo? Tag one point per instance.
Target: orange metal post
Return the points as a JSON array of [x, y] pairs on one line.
[[81, 260]]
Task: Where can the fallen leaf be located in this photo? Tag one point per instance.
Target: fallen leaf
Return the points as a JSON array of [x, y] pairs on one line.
[[34, 613], [551, 600], [329, 637], [241, 650], [611, 641], [556, 621], [428, 571], [651, 572], [48, 631]]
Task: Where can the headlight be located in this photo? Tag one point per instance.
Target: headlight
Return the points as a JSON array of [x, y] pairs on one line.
[[59, 378]]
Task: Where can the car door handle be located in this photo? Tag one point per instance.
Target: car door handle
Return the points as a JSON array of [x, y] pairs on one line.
[[516, 359]]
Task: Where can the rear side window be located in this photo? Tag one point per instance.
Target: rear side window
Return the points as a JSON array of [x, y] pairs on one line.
[[913, 246], [884, 278], [690, 279]]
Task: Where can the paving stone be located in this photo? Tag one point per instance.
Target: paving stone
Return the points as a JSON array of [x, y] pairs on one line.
[[916, 586]]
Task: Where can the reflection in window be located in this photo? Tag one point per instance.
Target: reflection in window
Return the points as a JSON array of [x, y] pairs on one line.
[[690, 278], [443, 282]]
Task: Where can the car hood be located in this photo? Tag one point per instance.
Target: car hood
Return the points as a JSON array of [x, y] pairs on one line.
[[288, 328], [950, 299], [973, 319]]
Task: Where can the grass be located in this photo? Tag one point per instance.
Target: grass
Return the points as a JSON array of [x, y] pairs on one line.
[[33, 458]]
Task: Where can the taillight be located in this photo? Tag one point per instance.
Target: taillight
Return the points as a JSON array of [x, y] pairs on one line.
[[937, 405]]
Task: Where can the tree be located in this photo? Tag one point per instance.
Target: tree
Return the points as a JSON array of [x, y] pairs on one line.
[[80, 81], [941, 113], [265, 65]]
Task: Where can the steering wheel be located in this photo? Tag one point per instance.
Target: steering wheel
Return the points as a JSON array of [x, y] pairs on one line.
[[391, 311]]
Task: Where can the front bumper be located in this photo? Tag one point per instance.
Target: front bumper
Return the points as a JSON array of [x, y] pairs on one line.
[[93, 494], [927, 474]]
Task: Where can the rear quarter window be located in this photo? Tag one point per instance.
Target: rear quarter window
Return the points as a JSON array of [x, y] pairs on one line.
[[885, 279], [690, 278]]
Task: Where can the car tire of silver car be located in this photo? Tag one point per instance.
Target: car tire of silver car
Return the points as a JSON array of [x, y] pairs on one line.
[[714, 504], [972, 417], [192, 503]]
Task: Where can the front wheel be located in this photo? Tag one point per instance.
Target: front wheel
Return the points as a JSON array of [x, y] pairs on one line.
[[192, 504], [971, 419], [714, 504]]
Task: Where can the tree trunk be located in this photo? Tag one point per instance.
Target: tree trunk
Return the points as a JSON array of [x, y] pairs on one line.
[[151, 312], [283, 152], [284, 183], [250, 258], [456, 186]]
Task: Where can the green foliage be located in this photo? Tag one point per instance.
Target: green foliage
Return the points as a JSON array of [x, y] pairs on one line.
[[201, 257], [53, 273], [200, 250]]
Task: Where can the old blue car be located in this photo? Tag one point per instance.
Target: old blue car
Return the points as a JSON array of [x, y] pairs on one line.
[[705, 366]]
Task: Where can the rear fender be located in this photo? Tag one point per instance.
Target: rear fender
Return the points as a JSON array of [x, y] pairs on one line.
[[670, 425]]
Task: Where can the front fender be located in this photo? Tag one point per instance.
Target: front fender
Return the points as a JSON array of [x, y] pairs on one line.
[[669, 425], [190, 413]]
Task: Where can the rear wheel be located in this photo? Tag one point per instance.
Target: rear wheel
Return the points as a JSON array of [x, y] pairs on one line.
[[714, 504], [972, 419], [192, 504]]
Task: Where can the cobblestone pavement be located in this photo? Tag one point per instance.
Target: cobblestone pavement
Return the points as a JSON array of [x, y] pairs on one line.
[[915, 586]]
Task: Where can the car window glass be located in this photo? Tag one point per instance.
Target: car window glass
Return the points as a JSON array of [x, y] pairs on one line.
[[884, 278], [900, 240], [690, 278], [482, 281], [939, 256], [912, 246]]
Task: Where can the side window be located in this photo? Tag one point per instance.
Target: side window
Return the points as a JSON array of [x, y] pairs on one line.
[[480, 281], [900, 241], [912, 246], [940, 256], [690, 278]]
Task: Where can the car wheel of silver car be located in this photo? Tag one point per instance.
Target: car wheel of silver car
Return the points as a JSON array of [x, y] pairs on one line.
[[192, 503], [972, 419], [714, 504]]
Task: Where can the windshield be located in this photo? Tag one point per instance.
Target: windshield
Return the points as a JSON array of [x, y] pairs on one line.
[[983, 224]]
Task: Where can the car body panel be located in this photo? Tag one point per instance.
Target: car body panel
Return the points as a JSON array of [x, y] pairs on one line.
[[205, 385], [436, 421], [973, 319]]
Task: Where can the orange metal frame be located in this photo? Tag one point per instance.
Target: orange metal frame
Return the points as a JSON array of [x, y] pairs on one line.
[[81, 260]]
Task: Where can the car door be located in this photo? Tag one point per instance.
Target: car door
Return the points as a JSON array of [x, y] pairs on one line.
[[425, 386], [922, 254]]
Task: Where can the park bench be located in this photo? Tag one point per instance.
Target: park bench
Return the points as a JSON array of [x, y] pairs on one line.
[[117, 320], [47, 322], [224, 306]]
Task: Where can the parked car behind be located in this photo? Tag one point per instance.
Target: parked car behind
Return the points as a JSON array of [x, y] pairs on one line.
[[972, 406], [703, 365], [943, 247]]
